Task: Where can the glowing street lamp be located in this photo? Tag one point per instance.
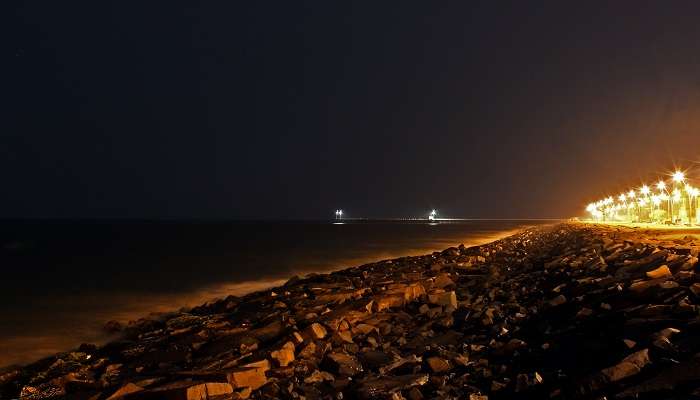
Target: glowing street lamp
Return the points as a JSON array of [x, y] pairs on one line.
[[678, 176], [338, 214]]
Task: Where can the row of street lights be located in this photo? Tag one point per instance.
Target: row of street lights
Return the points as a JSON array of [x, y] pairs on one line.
[[676, 203]]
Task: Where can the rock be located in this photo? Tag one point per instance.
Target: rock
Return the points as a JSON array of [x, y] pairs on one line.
[[343, 364], [382, 303], [316, 331], [442, 281], [584, 312], [250, 375], [629, 366], [284, 355], [667, 380], [443, 299], [379, 387], [343, 337], [413, 292], [557, 301], [186, 390], [319, 376], [695, 289], [364, 329], [308, 351], [661, 272], [524, 381], [438, 365], [210, 391], [641, 286]]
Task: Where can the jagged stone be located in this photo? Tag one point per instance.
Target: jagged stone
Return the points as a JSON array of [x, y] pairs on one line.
[[438, 365], [284, 355], [629, 366], [443, 299], [386, 302], [316, 331], [661, 272], [210, 391], [557, 301], [442, 281], [378, 387], [343, 364], [250, 375], [319, 376]]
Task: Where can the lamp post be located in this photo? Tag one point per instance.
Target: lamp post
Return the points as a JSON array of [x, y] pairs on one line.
[[631, 195], [696, 193], [692, 203], [661, 185], [623, 200], [645, 192], [678, 178], [655, 201]]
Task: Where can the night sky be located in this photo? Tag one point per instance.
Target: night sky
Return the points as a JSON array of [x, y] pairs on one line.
[[293, 109]]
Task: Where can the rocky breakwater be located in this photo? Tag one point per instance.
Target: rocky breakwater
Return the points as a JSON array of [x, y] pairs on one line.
[[565, 311]]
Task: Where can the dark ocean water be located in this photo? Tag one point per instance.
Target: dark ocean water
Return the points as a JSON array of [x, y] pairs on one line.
[[62, 280]]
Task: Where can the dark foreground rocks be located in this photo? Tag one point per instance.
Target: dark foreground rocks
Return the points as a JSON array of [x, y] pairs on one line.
[[569, 311]]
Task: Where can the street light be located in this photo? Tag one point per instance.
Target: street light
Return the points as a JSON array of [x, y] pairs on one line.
[[623, 200], [678, 176], [661, 185], [645, 191]]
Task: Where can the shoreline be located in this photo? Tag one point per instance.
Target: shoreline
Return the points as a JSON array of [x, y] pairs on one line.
[[86, 323], [516, 317]]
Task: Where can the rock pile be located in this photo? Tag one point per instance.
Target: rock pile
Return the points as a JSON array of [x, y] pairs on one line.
[[565, 311]]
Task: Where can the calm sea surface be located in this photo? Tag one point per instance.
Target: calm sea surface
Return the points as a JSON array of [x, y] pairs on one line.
[[62, 280]]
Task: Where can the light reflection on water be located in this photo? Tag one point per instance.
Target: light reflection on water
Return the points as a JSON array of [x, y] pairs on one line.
[[63, 313]]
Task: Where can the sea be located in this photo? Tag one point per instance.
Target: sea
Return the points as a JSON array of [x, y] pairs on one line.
[[62, 280]]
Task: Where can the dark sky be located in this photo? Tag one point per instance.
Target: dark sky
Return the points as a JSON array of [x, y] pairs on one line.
[[292, 109]]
